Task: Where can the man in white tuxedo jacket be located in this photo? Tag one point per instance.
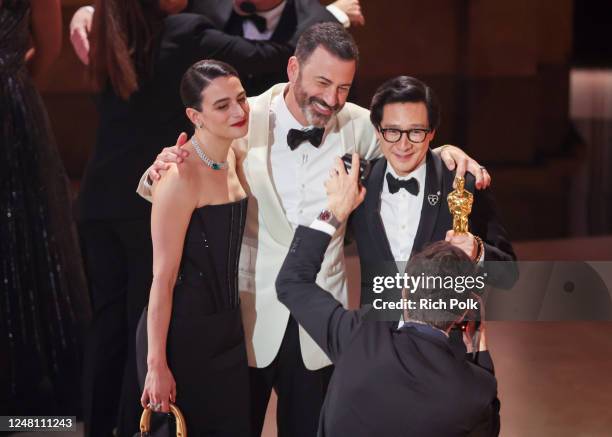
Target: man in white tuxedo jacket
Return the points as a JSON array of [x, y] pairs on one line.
[[296, 131]]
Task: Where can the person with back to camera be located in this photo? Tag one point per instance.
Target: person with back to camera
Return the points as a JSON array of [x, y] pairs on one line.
[[390, 381]]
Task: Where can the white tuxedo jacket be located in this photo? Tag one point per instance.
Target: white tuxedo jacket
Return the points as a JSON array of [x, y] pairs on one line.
[[268, 233]]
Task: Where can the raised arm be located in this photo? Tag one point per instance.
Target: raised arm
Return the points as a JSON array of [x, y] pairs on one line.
[[252, 56], [499, 257], [454, 157], [46, 28], [323, 317], [173, 205], [320, 314]]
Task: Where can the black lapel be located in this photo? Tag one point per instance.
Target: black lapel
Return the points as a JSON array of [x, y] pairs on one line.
[[432, 201], [287, 24], [372, 209]]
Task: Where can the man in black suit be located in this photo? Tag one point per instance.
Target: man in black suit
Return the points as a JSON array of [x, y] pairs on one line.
[[273, 20], [405, 207], [391, 381]]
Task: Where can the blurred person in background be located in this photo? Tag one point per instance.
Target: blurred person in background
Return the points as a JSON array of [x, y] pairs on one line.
[[44, 305], [274, 20], [140, 50]]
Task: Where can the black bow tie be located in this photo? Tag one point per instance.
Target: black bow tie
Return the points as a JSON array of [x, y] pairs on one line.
[[314, 135], [411, 185], [260, 22]]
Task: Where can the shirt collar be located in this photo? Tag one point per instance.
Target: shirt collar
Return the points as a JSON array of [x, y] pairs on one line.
[[273, 15], [418, 173]]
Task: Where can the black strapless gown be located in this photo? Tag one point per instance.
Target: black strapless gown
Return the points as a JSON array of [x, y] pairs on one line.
[[44, 305], [205, 348]]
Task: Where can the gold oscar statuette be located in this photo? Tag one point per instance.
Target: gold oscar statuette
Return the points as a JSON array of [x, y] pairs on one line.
[[460, 205]]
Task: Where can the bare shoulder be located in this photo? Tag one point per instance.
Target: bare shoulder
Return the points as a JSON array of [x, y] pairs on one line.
[[178, 180]]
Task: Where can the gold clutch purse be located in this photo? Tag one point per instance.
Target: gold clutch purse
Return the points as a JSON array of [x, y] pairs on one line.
[[145, 421]]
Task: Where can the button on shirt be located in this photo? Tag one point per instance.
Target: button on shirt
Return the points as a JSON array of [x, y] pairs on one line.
[[401, 213], [299, 175]]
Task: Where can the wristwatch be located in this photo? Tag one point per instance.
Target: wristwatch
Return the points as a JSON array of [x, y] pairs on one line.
[[328, 217]]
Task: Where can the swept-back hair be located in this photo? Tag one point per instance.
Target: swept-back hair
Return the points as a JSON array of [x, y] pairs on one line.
[[198, 77]]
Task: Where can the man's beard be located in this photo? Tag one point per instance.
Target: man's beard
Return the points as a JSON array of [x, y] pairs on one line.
[[306, 102]]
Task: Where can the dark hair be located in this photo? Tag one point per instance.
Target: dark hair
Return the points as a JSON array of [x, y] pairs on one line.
[[123, 41], [403, 89], [198, 77], [332, 36], [439, 260]]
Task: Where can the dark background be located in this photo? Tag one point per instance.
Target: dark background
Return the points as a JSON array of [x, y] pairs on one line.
[[503, 71]]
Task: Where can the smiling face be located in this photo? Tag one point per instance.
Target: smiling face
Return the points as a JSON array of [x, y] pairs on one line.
[[321, 84], [405, 156], [224, 109]]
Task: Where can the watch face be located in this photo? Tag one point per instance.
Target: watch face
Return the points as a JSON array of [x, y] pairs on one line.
[[325, 215]]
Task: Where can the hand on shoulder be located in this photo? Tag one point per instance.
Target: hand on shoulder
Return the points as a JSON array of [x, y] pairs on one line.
[[176, 187]]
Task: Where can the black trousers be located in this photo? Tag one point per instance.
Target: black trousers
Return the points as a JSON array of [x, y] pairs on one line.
[[118, 263], [300, 391]]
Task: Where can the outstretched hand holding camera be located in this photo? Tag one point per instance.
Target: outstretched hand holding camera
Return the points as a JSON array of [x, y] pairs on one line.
[[344, 191]]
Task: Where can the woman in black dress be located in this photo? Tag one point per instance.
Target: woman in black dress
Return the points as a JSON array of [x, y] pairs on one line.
[[44, 305], [140, 50], [191, 340]]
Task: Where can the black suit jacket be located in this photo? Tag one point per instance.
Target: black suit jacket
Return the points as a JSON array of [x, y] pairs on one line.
[[375, 256], [131, 133], [295, 14], [386, 382]]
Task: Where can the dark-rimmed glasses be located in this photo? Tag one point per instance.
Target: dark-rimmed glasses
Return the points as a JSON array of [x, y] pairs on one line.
[[393, 135]]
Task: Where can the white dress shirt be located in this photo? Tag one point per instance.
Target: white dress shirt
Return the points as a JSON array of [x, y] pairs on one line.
[[273, 16], [299, 175], [401, 212]]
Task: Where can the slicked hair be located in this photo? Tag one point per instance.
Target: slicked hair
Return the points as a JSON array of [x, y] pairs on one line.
[[198, 77]]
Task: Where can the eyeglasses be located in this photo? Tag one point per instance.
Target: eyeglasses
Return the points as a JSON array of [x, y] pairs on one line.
[[393, 135]]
